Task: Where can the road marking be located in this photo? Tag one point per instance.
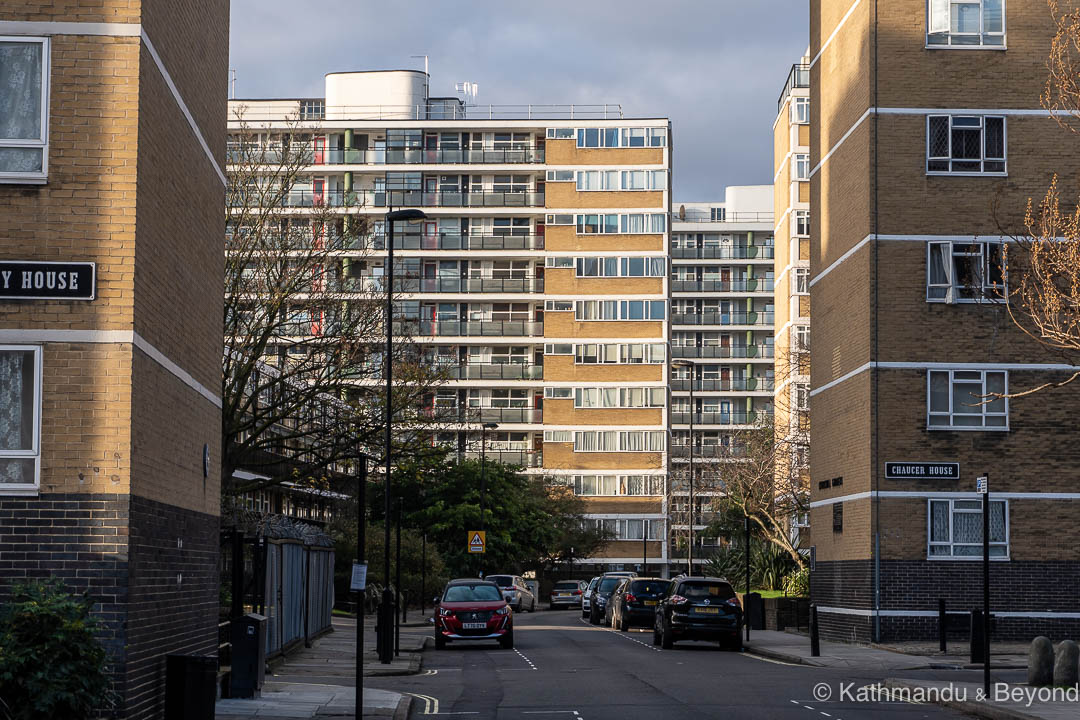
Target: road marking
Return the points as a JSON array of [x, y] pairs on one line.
[[522, 656], [822, 712], [774, 662], [431, 704], [430, 672]]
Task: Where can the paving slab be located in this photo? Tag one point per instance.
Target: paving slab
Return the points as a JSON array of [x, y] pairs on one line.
[[1024, 703]]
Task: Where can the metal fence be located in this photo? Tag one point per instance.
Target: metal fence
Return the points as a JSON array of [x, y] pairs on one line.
[[299, 592]]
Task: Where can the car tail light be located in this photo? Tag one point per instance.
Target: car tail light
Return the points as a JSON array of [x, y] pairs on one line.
[[577, 592], [630, 597], [734, 602], [678, 600]]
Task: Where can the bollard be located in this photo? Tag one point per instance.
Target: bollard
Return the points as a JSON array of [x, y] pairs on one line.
[[942, 624], [1066, 664], [815, 640], [1041, 662], [977, 648]]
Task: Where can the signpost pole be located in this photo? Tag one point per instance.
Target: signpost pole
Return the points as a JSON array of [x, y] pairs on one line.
[[986, 582], [361, 492]]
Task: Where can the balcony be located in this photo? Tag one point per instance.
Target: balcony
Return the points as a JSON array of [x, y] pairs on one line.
[[525, 458], [433, 109], [754, 384], [703, 451], [471, 328], [733, 417], [706, 215], [411, 198], [501, 415], [716, 318], [799, 77], [446, 241], [494, 371], [418, 156], [736, 252], [455, 285], [752, 285], [722, 352]]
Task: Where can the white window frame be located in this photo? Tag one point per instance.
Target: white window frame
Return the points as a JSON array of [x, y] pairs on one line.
[[983, 413], [800, 111], [801, 223], [800, 281], [34, 452], [939, 14], [983, 159], [951, 543], [950, 291], [558, 436], [800, 164], [800, 337], [42, 142]]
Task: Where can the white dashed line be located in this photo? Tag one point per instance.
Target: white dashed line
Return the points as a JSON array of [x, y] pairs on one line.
[[619, 634], [522, 656], [811, 709]]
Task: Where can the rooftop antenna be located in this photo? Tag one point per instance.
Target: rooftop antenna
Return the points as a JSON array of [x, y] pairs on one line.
[[425, 61], [232, 84]]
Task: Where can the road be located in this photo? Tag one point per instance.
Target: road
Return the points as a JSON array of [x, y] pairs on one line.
[[565, 669]]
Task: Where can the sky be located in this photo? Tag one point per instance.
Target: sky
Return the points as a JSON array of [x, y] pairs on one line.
[[714, 67]]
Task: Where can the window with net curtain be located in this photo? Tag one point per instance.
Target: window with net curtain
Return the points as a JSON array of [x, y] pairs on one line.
[[956, 529], [23, 89], [18, 452]]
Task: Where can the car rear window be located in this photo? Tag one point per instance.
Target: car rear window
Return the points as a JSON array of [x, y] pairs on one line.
[[648, 587], [694, 590], [593, 583], [502, 580], [472, 593], [566, 586], [608, 584]]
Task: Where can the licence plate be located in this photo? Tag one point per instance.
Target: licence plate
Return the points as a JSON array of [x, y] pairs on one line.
[[649, 602], [562, 594], [474, 626], [707, 610]]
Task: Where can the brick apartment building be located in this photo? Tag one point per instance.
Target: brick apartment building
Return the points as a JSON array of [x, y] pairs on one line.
[[922, 113], [111, 194]]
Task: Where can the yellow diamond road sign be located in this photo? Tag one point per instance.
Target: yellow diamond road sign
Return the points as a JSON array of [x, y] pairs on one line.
[[477, 541]]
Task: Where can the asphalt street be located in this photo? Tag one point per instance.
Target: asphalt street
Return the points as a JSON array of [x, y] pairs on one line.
[[562, 668]]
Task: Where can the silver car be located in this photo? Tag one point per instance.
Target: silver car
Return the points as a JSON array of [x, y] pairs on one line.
[[516, 592], [586, 599]]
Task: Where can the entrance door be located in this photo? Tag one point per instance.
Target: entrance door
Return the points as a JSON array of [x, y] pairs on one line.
[[319, 150], [431, 148]]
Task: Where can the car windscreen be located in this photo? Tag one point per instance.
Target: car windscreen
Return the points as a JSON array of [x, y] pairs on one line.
[[503, 581], [472, 593], [648, 587], [700, 590], [608, 584], [566, 586]]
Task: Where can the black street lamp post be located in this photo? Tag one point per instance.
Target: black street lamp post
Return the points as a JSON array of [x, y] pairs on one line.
[[690, 522], [386, 607], [484, 427]]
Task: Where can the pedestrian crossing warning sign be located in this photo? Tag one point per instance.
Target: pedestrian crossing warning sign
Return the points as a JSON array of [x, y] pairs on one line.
[[477, 541]]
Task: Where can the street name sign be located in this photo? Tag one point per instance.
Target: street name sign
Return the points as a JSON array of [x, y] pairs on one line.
[[477, 541], [34, 280], [922, 471]]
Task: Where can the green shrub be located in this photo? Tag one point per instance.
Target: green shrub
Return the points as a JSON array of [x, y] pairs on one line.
[[797, 583], [51, 665]]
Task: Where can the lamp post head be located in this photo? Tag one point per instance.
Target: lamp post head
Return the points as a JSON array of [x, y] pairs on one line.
[[410, 214]]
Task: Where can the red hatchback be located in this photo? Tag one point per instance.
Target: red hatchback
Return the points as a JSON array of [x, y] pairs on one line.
[[471, 609]]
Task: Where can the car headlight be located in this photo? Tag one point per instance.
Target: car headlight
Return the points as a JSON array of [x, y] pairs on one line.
[[504, 610], [446, 613]]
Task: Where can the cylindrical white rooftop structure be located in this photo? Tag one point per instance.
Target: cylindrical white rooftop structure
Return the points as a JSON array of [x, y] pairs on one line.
[[393, 94]]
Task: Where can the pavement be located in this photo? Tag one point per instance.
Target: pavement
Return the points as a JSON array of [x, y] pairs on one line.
[[318, 682]]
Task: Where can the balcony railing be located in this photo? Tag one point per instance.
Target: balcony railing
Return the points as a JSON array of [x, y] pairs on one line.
[[721, 385], [713, 418], [494, 371], [411, 198], [799, 77], [705, 215], [434, 109], [525, 458], [470, 328], [735, 252], [419, 156], [703, 451], [446, 241], [445, 285], [729, 318], [723, 286], [488, 414], [723, 352]]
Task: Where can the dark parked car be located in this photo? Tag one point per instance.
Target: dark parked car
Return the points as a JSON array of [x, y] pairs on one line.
[[699, 608], [634, 602], [586, 598], [471, 609], [567, 593], [599, 598]]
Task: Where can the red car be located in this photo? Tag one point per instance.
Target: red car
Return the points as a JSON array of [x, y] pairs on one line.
[[471, 609]]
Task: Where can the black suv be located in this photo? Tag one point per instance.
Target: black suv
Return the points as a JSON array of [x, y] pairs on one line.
[[699, 608], [599, 598], [634, 602]]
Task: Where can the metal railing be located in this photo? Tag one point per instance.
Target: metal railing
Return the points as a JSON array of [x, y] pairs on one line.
[[733, 417], [528, 415], [471, 328], [729, 318], [411, 198], [700, 215], [420, 156], [723, 352], [722, 385], [703, 451], [723, 286], [444, 285], [525, 458], [434, 109], [734, 252], [447, 241], [799, 77], [494, 371]]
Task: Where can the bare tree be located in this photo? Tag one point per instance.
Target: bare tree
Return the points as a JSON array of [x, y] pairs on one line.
[[304, 321], [1043, 268]]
